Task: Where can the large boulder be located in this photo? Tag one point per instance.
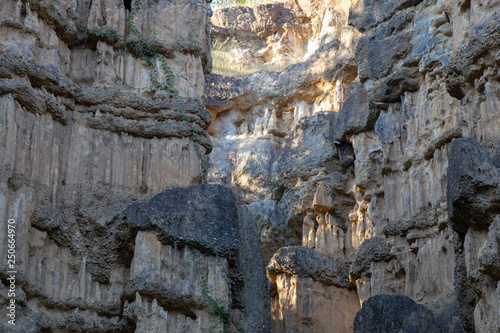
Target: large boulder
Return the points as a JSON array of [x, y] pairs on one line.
[[394, 314]]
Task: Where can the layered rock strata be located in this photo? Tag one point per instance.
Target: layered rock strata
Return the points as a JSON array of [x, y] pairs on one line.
[[83, 136]]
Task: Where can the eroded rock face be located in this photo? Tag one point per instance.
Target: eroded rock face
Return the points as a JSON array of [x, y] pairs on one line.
[[369, 170], [413, 206], [159, 265], [276, 160], [312, 292], [78, 148], [279, 32], [473, 208]]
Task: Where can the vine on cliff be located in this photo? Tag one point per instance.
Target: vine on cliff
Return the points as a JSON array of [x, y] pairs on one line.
[[217, 311], [141, 49]]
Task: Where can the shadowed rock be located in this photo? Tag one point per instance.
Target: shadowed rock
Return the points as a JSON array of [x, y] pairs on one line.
[[473, 188], [470, 62], [357, 115], [395, 314], [368, 14], [346, 153], [307, 262], [205, 215]]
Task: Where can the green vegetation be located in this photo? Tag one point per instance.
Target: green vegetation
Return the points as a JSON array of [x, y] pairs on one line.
[[139, 48], [218, 314]]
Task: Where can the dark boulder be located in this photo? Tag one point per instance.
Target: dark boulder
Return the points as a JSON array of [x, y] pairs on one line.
[[393, 314], [473, 188]]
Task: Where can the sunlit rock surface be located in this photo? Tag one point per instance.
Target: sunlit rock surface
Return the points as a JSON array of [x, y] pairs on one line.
[[379, 175]]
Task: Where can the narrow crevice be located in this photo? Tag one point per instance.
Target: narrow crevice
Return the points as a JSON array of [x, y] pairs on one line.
[[128, 4]]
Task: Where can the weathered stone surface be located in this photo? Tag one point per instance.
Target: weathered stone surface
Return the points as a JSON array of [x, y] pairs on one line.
[[278, 33], [139, 265], [306, 305], [205, 215], [356, 115], [306, 262], [101, 107], [371, 250], [403, 121], [220, 90], [400, 126], [367, 14], [393, 313], [153, 279], [205, 218], [313, 292], [449, 319], [471, 61], [386, 64], [322, 202], [473, 188], [276, 160], [245, 22], [346, 153], [254, 313], [78, 147]]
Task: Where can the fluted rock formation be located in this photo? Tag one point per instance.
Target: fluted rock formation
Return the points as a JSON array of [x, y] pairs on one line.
[[79, 146], [369, 172], [313, 291], [413, 207]]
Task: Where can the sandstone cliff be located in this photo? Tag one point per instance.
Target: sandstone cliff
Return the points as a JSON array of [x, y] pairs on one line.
[[88, 134], [379, 151], [366, 176]]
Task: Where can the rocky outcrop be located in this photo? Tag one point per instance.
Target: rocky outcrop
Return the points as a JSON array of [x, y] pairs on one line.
[[278, 32], [306, 262], [371, 250], [311, 292], [198, 229], [266, 112], [184, 261], [473, 187], [474, 211], [369, 170]]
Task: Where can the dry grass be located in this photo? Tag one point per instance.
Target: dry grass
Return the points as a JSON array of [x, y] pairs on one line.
[[229, 3], [223, 64], [343, 7], [219, 45]]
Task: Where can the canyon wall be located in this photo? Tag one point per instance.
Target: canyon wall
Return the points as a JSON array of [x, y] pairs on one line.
[[379, 152], [88, 134], [366, 176]]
